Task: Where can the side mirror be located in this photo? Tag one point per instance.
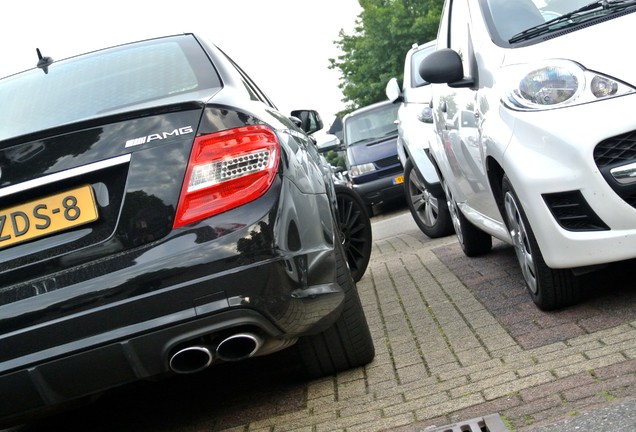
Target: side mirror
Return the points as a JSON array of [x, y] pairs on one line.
[[444, 66], [393, 91], [310, 120]]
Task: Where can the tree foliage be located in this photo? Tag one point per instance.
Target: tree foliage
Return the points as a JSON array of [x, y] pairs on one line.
[[385, 30]]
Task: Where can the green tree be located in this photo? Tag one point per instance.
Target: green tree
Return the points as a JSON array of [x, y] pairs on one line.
[[385, 30]]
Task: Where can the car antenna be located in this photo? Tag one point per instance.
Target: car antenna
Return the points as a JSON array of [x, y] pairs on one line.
[[43, 62]]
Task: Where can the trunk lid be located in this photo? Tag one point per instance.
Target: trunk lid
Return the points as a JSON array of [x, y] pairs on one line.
[[83, 193]]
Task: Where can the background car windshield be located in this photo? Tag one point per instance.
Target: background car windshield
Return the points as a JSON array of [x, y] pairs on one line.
[[371, 125], [513, 17], [100, 83]]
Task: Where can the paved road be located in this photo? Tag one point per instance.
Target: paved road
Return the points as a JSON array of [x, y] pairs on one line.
[[456, 339], [392, 222]]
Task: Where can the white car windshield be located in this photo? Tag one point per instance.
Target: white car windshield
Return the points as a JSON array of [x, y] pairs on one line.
[[520, 20]]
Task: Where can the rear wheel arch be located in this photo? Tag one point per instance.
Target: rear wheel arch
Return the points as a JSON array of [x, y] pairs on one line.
[[348, 342]]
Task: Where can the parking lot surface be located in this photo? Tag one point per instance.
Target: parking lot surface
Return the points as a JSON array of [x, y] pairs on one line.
[[456, 339]]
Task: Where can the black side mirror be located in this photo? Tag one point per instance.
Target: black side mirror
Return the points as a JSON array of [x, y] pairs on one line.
[[444, 66], [310, 120]]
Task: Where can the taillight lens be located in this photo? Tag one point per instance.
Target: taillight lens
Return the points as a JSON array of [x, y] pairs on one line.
[[226, 170]]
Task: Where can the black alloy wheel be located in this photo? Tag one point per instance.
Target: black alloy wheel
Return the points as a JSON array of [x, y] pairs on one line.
[[429, 212], [355, 228]]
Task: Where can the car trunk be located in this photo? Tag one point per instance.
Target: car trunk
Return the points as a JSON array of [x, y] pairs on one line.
[[80, 195]]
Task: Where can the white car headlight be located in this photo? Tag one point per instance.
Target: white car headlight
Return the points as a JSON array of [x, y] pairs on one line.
[[358, 170], [555, 84]]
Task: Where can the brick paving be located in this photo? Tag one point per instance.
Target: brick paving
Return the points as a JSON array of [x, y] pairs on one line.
[[459, 338], [456, 338]]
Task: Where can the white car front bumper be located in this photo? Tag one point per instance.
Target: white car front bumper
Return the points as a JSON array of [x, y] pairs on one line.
[[552, 152]]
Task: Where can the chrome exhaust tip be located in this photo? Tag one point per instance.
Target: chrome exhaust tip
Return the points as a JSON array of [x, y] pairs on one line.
[[239, 346], [191, 359]]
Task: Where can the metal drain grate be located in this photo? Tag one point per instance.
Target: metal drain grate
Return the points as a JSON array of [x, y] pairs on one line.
[[489, 423]]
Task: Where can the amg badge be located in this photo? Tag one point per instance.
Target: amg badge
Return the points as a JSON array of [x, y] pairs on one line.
[[158, 136]]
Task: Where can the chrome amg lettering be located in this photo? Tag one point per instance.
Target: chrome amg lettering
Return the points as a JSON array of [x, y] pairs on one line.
[[154, 137], [159, 136]]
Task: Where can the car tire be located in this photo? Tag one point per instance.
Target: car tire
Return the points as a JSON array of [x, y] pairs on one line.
[[473, 241], [355, 229], [429, 212], [549, 288], [347, 343]]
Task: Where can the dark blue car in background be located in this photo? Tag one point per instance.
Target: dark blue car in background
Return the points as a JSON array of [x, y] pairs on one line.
[[370, 140]]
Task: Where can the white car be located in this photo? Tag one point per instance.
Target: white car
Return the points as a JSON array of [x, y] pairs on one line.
[[423, 192], [551, 165]]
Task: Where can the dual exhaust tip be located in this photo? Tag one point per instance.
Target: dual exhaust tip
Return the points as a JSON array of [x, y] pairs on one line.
[[195, 358]]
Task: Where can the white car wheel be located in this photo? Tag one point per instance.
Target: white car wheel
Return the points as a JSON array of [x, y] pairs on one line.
[[473, 241], [549, 288], [429, 212], [519, 236]]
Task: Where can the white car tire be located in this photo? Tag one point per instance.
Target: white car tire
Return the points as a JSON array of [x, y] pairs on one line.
[[474, 242], [429, 212], [549, 288]]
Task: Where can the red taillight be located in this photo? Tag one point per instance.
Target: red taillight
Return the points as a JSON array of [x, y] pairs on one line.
[[227, 169]]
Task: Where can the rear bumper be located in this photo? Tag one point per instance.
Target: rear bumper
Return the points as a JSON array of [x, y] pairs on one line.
[[60, 380], [130, 313], [61, 373]]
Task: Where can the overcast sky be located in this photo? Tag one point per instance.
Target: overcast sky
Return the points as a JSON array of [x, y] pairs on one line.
[[284, 45]]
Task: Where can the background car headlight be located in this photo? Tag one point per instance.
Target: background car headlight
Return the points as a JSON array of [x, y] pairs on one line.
[[358, 170], [555, 84]]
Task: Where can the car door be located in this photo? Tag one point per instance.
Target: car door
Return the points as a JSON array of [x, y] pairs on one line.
[[458, 114]]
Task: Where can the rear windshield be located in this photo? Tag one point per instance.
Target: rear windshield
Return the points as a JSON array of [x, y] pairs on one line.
[[103, 82]]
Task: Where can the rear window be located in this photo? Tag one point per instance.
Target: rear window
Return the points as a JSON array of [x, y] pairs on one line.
[[103, 82]]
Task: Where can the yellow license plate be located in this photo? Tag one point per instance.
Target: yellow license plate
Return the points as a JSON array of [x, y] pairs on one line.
[[398, 180], [47, 215]]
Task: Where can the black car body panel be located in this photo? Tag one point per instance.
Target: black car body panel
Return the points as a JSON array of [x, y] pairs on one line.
[[128, 289]]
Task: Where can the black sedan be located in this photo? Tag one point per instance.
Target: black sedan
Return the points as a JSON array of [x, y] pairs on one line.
[[159, 215]]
